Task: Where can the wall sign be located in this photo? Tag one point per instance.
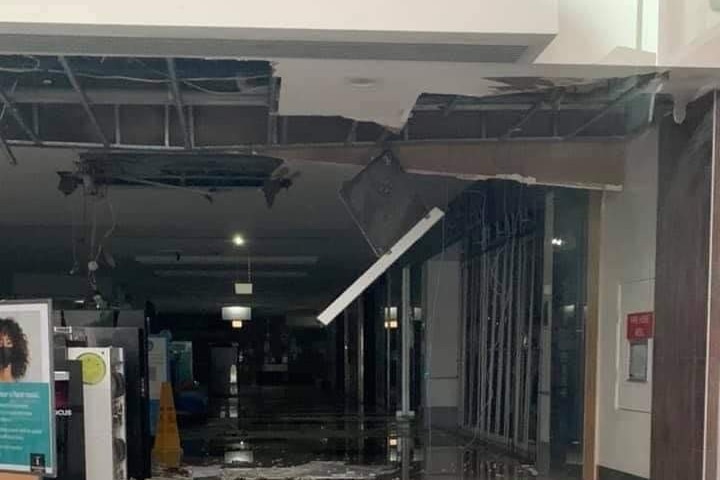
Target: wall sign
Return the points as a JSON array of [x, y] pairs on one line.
[[640, 326], [27, 399], [158, 372]]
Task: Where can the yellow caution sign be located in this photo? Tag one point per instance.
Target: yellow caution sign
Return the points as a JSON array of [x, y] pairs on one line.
[[167, 451]]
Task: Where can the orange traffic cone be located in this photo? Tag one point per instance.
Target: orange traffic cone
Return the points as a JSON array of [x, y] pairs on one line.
[[167, 451]]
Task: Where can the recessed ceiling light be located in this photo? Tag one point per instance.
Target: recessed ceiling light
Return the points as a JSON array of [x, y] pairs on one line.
[[237, 324], [238, 240], [237, 313], [362, 82], [243, 289]]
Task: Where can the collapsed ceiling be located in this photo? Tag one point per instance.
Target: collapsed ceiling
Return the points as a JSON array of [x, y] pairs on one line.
[[193, 104], [155, 131]]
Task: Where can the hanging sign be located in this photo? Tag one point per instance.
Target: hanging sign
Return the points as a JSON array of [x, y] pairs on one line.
[[640, 326]]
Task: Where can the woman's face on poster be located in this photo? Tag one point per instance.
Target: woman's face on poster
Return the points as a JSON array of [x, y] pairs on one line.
[[6, 341]]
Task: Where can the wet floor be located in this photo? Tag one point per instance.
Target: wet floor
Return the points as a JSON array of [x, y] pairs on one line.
[[288, 433]]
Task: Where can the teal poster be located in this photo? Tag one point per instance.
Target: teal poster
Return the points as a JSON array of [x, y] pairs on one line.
[[24, 424], [27, 394]]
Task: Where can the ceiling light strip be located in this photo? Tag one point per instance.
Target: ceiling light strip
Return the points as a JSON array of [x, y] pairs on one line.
[[380, 266]]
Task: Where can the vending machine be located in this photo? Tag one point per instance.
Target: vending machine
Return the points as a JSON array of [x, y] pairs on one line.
[[105, 411]]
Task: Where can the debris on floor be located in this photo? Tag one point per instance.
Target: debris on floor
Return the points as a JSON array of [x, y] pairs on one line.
[[207, 473], [165, 473], [308, 471], [529, 470]]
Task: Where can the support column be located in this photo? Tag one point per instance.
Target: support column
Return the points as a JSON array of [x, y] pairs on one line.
[[545, 367], [687, 299], [361, 353], [406, 344], [346, 355], [388, 333], [591, 337]]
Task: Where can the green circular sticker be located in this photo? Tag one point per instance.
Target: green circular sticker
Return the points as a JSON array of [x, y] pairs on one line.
[[93, 368]]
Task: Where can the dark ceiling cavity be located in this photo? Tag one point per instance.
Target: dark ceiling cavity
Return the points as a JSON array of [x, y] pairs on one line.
[[123, 104]]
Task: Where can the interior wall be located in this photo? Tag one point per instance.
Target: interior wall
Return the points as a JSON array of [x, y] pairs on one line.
[[590, 31], [689, 29], [462, 16], [627, 274], [442, 310]]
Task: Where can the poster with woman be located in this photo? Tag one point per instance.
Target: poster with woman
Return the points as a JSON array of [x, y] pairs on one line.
[[27, 419]]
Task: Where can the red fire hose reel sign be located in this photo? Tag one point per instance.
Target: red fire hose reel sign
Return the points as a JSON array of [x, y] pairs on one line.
[[640, 326]]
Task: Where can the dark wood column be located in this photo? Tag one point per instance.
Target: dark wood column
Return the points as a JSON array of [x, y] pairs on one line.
[[686, 300], [712, 428]]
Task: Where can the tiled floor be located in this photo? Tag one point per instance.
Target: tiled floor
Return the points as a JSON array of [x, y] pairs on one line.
[[285, 433]]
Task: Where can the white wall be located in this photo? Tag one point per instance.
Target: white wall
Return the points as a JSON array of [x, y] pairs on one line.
[[617, 32], [627, 272], [587, 31], [689, 32], [458, 16], [590, 30], [611, 32], [442, 308]]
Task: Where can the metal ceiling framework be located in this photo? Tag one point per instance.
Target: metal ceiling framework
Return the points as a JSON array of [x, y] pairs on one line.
[[123, 104]]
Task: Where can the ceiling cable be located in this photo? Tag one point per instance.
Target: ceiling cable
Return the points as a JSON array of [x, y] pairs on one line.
[[249, 267]]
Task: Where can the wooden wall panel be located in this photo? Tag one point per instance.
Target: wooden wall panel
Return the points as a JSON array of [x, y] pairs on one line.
[[712, 422], [681, 295]]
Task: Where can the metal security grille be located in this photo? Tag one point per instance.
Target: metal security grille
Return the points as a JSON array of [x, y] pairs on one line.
[[502, 287]]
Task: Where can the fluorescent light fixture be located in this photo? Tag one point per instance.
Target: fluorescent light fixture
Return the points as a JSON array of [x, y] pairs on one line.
[[237, 324], [380, 266], [391, 313], [230, 260], [243, 289], [558, 242], [233, 457], [238, 240], [230, 274], [237, 313]]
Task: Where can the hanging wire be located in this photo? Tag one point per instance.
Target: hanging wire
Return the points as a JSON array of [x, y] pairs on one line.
[[5, 106], [249, 266], [93, 236], [110, 230], [73, 238]]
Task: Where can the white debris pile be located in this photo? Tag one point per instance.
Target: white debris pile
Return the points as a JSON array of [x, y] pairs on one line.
[[163, 473], [310, 471]]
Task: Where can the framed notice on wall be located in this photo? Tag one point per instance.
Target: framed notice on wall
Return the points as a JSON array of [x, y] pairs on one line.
[[27, 399]]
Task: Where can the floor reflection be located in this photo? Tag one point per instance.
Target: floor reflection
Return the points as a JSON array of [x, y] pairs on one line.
[[286, 433]]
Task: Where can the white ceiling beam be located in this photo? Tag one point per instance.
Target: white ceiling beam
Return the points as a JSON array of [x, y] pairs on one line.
[[380, 266]]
